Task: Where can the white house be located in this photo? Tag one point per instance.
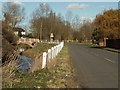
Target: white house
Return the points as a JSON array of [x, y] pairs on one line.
[[19, 32]]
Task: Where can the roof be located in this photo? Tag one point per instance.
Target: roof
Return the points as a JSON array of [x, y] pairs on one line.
[[19, 29]]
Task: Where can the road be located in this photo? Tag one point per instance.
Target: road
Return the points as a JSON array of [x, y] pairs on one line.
[[97, 68]]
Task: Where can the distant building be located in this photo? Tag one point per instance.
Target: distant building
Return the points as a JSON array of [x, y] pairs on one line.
[[51, 37], [19, 32]]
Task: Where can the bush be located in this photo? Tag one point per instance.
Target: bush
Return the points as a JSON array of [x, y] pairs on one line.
[[9, 41], [9, 55], [7, 50], [8, 72], [9, 35]]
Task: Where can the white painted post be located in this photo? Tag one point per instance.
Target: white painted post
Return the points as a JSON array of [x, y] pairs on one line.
[[38, 40], [63, 43], [44, 60], [56, 49], [60, 46], [53, 52], [49, 55], [52, 49]]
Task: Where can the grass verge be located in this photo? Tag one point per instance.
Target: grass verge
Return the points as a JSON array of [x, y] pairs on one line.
[[64, 74], [87, 44]]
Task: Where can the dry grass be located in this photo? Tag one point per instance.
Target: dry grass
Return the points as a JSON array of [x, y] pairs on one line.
[[8, 73], [9, 69], [38, 63]]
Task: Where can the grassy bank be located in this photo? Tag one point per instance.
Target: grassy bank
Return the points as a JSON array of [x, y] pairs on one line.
[[10, 74], [61, 75], [39, 48]]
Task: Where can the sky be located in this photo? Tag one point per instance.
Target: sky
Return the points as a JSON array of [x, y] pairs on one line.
[[86, 9]]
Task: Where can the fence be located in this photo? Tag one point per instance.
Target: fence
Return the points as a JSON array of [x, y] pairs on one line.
[[30, 40], [44, 59], [113, 43]]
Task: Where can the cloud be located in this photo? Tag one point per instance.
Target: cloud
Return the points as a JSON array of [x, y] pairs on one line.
[[90, 19], [17, 2], [76, 6]]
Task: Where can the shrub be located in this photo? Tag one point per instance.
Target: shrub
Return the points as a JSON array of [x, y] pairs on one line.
[[9, 35], [9, 41]]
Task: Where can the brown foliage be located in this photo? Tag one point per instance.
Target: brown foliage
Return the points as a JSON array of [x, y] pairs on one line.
[[108, 23], [8, 43]]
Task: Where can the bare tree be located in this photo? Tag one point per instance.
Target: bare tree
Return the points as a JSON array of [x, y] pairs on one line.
[[69, 16], [86, 30], [76, 23], [13, 13], [45, 22], [39, 20], [44, 9]]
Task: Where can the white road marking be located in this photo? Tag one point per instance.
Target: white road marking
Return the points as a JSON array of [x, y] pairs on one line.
[[109, 60]]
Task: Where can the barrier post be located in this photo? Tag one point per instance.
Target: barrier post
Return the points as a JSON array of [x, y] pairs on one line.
[[49, 55], [52, 52], [44, 60]]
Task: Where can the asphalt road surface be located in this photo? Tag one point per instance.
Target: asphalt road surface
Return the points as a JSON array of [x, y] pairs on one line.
[[97, 68]]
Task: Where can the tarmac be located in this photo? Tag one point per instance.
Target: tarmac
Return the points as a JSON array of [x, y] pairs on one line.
[[111, 49]]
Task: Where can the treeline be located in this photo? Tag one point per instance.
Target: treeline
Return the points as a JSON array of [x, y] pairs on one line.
[[105, 25], [84, 33], [45, 22]]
